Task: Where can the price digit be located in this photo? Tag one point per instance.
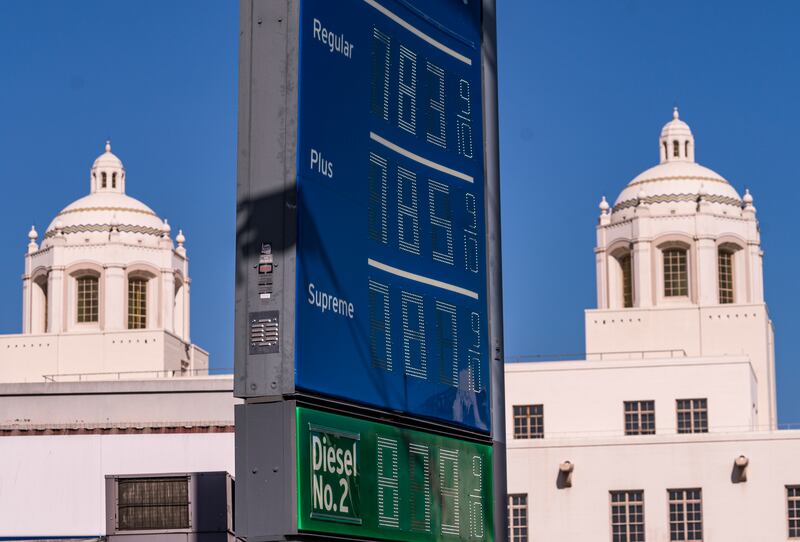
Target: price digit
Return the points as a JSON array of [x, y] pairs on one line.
[[407, 91], [388, 494], [381, 47], [420, 501], [407, 210], [436, 123], [448, 483], [464, 120], [447, 335], [380, 346], [475, 353], [378, 230], [441, 223], [471, 234], [416, 359], [476, 519]]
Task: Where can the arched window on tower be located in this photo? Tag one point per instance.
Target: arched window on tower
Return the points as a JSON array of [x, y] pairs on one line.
[[104, 181], [686, 150], [626, 268], [676, 149], [88, 296], [666, 152], [137, 303], [725, 273], [114, 180], [39, 305], [676, 275]]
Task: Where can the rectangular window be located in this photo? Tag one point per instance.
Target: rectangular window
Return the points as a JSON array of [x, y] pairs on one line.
[[725, 267], [145, 504], [685, 514], [793, 509], [627, 516], [87, 294], [137, 303], [528, 421], [640, 417], [518, 518], [692, 415], [627, 280], [676, 278]]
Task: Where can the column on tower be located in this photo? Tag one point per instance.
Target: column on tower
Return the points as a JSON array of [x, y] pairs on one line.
[[642, 258], [116, 294], [707, 270], [168, 299], [55, 307]]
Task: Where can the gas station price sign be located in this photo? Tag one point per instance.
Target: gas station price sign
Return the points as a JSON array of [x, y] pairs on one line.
[[367, 479], [391, 300]]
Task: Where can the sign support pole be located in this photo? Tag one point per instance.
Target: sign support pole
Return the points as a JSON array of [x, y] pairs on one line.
[[494, 264]]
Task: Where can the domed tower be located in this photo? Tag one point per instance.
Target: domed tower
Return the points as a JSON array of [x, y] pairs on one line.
[[679, 268], [107, 276]]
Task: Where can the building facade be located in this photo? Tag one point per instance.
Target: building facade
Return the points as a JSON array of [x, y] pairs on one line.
[[110, 423], [668, 429]]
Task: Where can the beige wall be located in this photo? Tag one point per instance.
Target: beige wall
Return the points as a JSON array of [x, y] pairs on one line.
[[55, 486], [585, 398], [27, 358], [745, 512], [205, 399]]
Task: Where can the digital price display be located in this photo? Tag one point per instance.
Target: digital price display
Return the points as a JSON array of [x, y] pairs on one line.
[[391, 306], [366, 479]]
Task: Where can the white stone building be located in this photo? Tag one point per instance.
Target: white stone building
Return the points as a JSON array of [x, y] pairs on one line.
[[103, 396], [668, 429]]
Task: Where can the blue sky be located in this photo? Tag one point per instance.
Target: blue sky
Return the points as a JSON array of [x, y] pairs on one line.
[[585, 87]]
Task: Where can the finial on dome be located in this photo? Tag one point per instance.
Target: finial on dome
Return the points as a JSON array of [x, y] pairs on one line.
[[748, 197], [180, 238], [33, 235], [108, 145], [604, 206], [675, 114], [166, 227]]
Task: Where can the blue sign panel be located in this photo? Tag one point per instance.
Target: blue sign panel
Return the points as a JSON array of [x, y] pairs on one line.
[[391, 301]]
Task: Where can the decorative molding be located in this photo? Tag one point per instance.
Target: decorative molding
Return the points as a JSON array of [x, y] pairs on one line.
[[680, 178], [677, 198], [102, 228], [123, 209], [116, 428]]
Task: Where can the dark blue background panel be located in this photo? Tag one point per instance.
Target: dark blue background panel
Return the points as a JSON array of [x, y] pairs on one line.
[[391, 302]]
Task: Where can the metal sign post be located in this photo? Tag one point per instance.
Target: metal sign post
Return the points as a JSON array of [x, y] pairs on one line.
[[368, 295]]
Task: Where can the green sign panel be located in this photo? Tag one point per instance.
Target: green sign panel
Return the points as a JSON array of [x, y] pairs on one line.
[[372, 480]]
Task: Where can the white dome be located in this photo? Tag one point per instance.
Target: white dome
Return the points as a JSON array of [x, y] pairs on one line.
[[107, 209], [678, 183], [107, 160]]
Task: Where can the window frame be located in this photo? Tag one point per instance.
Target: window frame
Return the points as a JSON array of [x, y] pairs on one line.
[[627, 289], [730, 278], [79, 279], [116, 510], [511, 508], [682, 290], [627, 504], [138, 278], [792, 533], [693, 412], [534, 421], [639, 412], [684, 521]]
